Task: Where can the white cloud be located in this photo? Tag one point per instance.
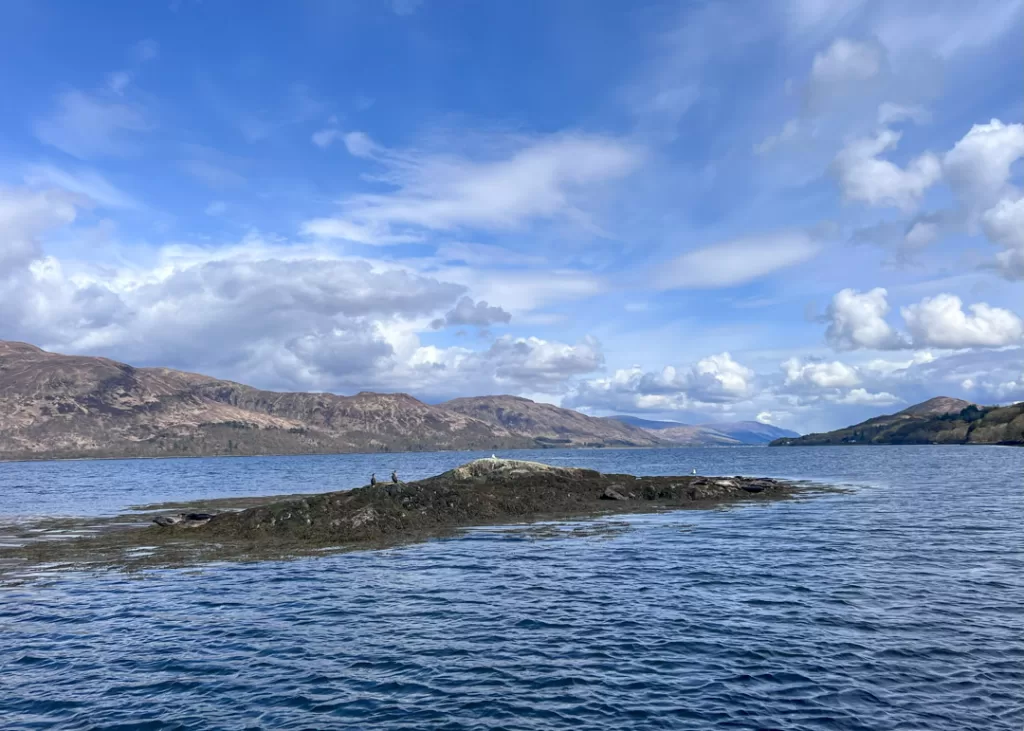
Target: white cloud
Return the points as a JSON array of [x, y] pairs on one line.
[[720, 378], [524, 290], [1004, 225], [25, 215], [275, 315], [735, 262], [510, 364], [857, 320], [890, 113], [941, 322], [372, 234], [818, 17], [978, 166], [882, 367], [712, 381], [324, 137], [87, 183], [476, 314], [846, 61], [359, 144], [544, 178], [863, 176], [863, 397], [89, 126], [789, 132], [946, 27], [819, 374]]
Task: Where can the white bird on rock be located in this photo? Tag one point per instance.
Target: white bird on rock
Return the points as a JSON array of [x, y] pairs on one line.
[[694, 471]]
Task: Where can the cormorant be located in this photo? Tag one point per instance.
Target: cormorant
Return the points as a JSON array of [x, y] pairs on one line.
[[394, 476], [373, 479]]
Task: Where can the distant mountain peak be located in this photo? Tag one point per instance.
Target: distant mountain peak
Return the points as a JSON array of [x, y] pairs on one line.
[[937, 406], [724, 433]]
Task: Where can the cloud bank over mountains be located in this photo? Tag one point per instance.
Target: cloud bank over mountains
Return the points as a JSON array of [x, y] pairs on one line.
[[808, 222]]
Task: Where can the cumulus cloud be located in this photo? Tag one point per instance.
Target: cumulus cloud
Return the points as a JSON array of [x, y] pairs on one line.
[[87, 125], [27, 214], [820, 374], [941, 322], [543, 178], [857, 320], [863, 176], [737, 261], [978, 166], [1004, 225], [478, 314], [714, 380], [274, 315]]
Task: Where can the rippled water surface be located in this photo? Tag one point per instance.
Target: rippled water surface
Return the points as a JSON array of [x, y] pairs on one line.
[[897, 606]]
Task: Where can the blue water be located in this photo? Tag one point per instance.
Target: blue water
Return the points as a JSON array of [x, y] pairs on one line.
[[897, 606]]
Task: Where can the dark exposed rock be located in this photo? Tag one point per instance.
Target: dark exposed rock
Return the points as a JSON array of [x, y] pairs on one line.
[[183, 520], [484, 491]]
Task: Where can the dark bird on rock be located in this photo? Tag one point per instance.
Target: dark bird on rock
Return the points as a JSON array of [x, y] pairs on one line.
[[394, 476], [373, 479]]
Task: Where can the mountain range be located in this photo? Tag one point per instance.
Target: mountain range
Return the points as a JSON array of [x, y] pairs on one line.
[[720, 433], [72, 406], [941, 420]]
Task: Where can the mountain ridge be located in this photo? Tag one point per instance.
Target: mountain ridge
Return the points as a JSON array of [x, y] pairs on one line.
[[55, 406], [939, 420]]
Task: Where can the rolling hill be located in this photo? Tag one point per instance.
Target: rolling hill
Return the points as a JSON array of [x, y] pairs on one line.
[[941, 420]]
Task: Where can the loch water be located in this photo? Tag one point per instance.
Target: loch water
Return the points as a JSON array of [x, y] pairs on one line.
[[898, 604]]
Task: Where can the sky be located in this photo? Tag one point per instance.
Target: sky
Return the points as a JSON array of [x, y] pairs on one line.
[[804, 212]]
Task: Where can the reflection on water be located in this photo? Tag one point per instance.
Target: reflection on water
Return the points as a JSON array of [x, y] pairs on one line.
[[896, 606]]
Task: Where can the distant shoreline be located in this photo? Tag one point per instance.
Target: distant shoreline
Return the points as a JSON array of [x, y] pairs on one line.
[[15, 460]]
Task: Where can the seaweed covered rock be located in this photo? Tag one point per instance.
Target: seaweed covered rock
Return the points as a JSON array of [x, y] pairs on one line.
[[479, 492]]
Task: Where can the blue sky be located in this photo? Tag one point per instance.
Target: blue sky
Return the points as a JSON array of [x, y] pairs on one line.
[[805, 212]]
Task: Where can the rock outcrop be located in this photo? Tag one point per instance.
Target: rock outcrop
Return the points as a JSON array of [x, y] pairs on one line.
[[485, 491]]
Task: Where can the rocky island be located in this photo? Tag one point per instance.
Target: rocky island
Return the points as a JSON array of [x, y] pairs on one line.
[[482, 492]]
